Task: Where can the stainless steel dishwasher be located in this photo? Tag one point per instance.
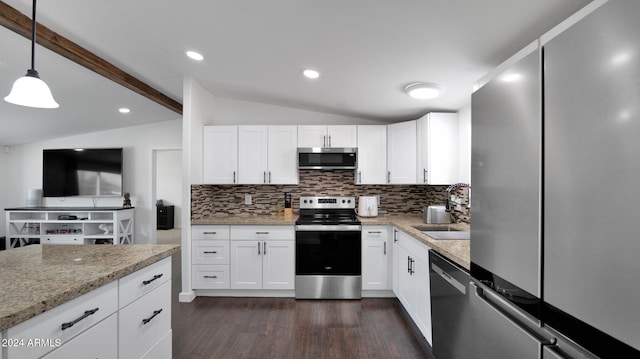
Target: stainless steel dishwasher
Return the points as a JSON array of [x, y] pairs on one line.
[[450, 309]]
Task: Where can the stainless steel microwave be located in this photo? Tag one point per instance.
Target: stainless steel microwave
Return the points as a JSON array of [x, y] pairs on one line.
[[319, 158]]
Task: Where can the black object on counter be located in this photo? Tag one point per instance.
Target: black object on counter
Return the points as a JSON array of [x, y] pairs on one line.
[[287, 200]]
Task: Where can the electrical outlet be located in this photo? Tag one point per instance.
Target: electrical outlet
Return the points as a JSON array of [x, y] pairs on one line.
[[247, 199]]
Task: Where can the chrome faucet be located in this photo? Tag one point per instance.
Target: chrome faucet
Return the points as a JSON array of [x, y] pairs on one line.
[[447, 199]]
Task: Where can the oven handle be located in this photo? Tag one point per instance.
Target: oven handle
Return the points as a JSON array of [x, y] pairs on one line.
[[326, 228]]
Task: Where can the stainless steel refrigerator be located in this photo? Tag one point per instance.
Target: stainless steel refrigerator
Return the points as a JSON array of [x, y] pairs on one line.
[[555, 221]]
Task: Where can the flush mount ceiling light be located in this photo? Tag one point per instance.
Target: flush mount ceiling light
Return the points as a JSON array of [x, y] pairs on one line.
[[29, 90], [311, 74], [423, 91], [124, 110], [195, 55]]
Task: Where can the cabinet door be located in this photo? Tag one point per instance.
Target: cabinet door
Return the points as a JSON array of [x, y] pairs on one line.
[[396, 263], [220, 154], [312, 136], [422, 300], [282, 151], [375, 275], [342, 136], [438, 148], [406, 289], [278, 265], [246, 264], [372, 155], [101, 341], [252, 154], [402, 149]]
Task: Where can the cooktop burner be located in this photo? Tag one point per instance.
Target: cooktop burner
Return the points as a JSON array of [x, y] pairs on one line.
[[327, 211]]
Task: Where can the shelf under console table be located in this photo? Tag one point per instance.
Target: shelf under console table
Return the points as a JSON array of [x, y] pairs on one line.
[[69, 225]]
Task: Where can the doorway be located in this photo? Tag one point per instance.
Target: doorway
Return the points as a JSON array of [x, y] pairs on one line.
[[167, 196]]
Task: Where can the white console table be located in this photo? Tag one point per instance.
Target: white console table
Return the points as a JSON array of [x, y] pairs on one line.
[[69, 225]]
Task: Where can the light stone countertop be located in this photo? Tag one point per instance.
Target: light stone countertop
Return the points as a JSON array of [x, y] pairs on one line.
[[37, 278], [455, 250]]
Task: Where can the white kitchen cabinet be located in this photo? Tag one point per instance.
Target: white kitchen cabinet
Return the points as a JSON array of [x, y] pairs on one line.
[[372, 155], [267, 155], [413, 289], [376, 252], [252, 154], [438, 148], [100, 341], [327, 136], [262, 257], [282, 155], [395, 266], [220, 155], [210, 257], [402, 150]]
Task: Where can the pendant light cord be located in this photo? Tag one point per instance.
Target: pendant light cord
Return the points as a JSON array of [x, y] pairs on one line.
[[33, 37]]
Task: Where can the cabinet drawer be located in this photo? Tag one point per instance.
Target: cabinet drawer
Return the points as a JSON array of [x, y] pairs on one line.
[[144, 322], [209, 232], [162, 349], [375, 232], [48, 325], [101, 341], [210, 252], [210, 276], [78, 239], [137, 284], [262, 232]]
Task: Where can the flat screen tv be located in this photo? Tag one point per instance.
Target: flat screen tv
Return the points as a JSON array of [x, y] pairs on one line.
[[89, 172]]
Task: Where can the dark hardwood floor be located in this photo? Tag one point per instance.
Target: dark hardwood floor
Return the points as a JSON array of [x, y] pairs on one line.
[[264, 328]]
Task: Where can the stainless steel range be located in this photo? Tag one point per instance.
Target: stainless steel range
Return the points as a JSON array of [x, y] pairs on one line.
[[328, 249]]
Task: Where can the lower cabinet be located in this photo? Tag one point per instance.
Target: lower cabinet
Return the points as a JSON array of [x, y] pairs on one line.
[[262, 257], [127, 318], [413, 281], [376, 255]]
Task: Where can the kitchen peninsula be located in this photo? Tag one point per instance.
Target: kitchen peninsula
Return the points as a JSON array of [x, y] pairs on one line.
[[45, 289]]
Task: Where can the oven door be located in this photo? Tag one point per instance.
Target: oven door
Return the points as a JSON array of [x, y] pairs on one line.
[[328, 263]]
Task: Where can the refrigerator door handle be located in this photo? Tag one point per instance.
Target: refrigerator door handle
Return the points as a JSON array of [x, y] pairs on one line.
[[487, 296]]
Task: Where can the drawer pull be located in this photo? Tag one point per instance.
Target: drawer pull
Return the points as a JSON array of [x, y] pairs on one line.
[[210, 252], [209, 232], [86, 314], [262, 232], [210, 276], [155, 312], [374, 232], [152, 279]]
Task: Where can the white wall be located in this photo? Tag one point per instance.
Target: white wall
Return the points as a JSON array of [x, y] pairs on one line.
[[169, 180], [25, 165], [464, 151]]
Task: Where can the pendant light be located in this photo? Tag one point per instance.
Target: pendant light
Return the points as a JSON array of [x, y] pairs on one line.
[[29, 90]]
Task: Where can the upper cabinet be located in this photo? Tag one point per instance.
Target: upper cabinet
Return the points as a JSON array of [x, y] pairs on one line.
[[372, 155], [220, 154], [327, 136], [438, 148], [267, 155], [402, 153]]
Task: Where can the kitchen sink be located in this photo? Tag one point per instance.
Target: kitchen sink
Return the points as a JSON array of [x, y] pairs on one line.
[[440, 232], [436, 228]]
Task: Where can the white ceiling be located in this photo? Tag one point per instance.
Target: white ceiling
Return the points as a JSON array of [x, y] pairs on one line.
[[366, 50]]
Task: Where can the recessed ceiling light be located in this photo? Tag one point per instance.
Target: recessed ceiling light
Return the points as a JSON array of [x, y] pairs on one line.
[[195, 55], [311, 74], [124, 110], [511, 77], [423, 91]]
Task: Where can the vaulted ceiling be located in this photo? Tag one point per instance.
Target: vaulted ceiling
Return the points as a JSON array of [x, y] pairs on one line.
[[367, 51]]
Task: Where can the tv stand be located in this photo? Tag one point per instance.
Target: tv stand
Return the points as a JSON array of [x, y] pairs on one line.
[[69, 225]]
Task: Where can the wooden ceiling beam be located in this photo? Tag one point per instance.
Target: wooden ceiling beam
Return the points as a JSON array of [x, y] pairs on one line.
[[19, 23]]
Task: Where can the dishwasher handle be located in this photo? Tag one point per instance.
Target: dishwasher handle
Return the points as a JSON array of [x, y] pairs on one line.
[[447, 277]]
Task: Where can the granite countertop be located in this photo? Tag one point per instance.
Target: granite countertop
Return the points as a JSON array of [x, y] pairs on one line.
[[247, 220], [455, 250], [37, 278]]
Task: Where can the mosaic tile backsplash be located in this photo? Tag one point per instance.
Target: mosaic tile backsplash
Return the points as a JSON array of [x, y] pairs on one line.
[[207, 200]]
